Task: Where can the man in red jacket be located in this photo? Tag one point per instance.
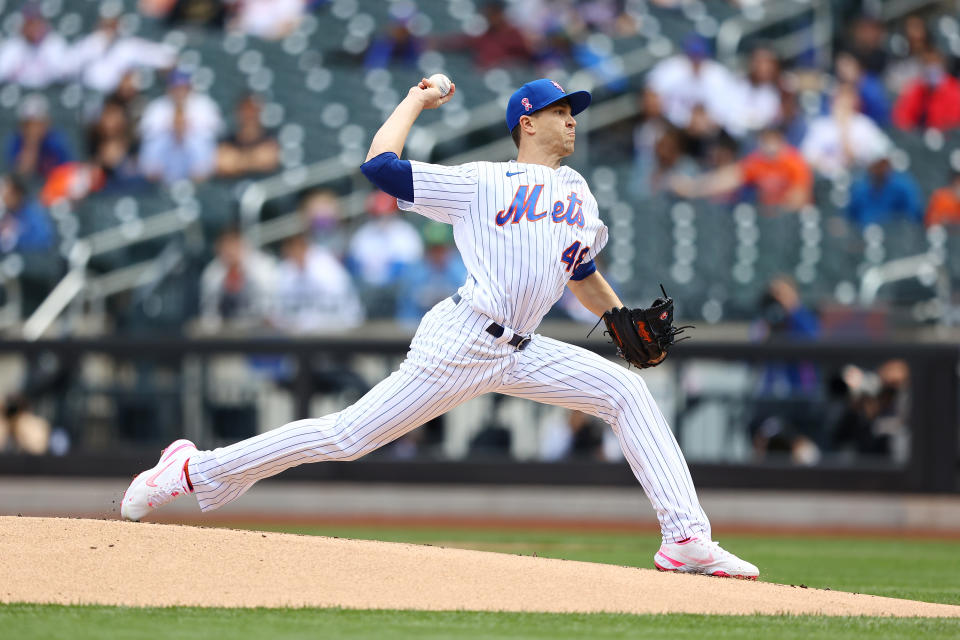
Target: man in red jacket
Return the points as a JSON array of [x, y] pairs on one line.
[[931, 100]]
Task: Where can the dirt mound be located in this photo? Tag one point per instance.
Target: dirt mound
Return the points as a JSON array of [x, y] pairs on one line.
[[120, 563]]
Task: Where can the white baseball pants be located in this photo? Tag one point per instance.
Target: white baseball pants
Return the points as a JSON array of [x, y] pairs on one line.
[[451, 360]]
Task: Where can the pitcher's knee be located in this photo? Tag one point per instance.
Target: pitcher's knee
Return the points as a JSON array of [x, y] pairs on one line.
[[344, 443], [351, 446], [625, 399]]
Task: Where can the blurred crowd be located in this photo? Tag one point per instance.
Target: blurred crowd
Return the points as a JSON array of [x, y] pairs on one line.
[[327, 281], [702, 130], [802, 411], [707, 131]]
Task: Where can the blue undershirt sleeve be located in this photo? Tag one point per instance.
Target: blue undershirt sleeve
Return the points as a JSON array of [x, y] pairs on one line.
[[584, 270], [390, 174]]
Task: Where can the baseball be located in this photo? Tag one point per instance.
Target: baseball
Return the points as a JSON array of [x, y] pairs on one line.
[[441, 82]]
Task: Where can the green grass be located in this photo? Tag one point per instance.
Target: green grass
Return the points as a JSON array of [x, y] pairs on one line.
[[28, 622], [916, 569], [912, 569]]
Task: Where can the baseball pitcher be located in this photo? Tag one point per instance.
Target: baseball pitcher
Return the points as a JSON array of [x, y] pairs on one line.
[[525, 229]]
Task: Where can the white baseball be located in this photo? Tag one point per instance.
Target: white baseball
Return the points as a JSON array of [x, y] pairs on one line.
[[441, 82]]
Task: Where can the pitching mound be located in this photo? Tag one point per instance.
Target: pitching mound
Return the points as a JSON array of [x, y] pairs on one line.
[[55, 560]]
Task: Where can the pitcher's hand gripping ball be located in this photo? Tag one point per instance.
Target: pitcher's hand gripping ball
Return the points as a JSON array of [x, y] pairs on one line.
[[441, 82], [643, 336]]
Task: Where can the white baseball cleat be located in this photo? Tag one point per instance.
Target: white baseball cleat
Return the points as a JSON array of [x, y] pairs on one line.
[[697, 555], [157, 486]]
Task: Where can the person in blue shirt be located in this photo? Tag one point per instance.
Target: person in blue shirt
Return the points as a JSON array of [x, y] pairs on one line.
[[396, 46], [35, 149], [874, 102], [436, 276], [882, 194], [24, 225]]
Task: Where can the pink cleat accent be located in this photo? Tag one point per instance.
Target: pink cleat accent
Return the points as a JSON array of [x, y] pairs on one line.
[[698, 555], [161, 484]]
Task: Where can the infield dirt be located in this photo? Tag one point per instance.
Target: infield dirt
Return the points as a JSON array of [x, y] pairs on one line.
[[78, 561]]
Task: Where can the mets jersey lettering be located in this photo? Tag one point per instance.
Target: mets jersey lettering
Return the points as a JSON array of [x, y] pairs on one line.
[[523, 205], [516, 226]]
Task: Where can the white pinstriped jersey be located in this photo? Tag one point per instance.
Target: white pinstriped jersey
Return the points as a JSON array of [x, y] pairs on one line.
[[522, 229]]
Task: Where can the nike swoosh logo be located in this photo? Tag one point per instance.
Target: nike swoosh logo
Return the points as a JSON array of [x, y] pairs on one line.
[[510, 174], [150, 480], [707, 559]]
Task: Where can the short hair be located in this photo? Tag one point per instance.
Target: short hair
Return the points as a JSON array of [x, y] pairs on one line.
[[231, 230], [515, 134]]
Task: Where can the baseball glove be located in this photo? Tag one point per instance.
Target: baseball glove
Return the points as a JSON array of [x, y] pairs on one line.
[[643, 336]]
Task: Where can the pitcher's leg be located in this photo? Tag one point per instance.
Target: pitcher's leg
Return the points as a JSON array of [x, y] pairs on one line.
[[408, 398], [558, 373]]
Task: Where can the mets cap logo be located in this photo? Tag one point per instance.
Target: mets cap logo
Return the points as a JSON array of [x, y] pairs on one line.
[[526, 104], [557, 85]]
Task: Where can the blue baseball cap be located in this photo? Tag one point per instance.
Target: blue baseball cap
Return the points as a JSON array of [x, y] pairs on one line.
[[696, 46], [177, 78], [538, 94]]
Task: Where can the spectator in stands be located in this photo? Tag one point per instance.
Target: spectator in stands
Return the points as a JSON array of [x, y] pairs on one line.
[[437, 276], [198, 13], [35, 149], [908, 68], [792, 120], [236, 286], [782, 315], [577, 436], [22, 430], [102, 58], [606, 16], [669, 160], [560, 47], [36, 57], [129, 95], [201, 115], [24, 225], [931, 101], [396, 45], [313, 292], [685, 81], [873, 96], [843, 139], [651, 124], [775, 171], [501, 44], [871, 418], [178, 154], [384, 246], [112, 164], [179, 133], [322, 218], [112, 144], [703, 137], [759, 102], [250, 149], [267, 19], [868, 44], [944, 207], [775, 427], [882, 194]]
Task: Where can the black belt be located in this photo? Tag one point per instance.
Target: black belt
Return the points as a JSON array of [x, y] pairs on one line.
[[496, 330]]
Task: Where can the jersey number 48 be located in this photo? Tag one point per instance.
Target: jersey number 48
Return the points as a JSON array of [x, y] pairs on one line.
[[573, 255]]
